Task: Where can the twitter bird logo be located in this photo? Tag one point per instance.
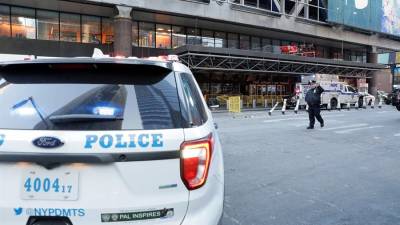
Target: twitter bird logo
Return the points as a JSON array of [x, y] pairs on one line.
[[18, 211], [1, 139]]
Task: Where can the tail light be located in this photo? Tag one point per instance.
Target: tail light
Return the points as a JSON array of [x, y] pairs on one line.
[[195, 162]]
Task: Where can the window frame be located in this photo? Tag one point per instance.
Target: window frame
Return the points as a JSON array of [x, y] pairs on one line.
[[185, 107]]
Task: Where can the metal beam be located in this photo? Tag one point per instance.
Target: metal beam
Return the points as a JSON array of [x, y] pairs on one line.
[[210, 62]]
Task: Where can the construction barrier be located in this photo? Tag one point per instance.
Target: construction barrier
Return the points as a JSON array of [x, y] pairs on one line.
[[273, 109], [296, 109], [234, 104], [284, 106]]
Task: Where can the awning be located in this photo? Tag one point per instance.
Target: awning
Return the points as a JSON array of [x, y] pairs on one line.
[[199, 58]]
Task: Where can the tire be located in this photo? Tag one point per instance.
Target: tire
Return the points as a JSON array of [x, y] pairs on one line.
[[334, 103], [360, 102]]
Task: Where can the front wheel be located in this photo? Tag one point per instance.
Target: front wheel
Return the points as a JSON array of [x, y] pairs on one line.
[[334, 103]]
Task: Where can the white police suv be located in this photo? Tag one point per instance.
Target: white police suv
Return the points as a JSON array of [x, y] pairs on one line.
[[88, 141]]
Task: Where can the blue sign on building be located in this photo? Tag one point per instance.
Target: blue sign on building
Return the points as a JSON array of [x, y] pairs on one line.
[[381, 16]]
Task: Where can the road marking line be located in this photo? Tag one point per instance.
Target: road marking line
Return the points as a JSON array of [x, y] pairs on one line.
[[299, 118], [348, 126], [356, 129], [397, 135]]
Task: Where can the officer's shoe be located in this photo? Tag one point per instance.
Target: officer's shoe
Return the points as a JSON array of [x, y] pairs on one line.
[[310, 128], [322, 125]]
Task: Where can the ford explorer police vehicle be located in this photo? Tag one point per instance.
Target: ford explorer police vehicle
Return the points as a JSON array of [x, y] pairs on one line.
[[88, 141]]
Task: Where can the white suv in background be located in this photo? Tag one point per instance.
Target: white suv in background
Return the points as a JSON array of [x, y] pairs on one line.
[[106, 141]]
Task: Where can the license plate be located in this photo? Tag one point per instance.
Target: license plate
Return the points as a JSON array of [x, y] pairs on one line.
[[49, 185]]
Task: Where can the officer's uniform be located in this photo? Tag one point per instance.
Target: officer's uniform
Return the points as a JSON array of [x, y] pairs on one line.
[[313, 99]]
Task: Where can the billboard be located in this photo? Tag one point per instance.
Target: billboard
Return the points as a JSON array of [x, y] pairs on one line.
[[381, 16], [390, 22]]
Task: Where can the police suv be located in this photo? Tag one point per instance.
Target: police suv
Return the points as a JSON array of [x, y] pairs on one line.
[[87, 141]]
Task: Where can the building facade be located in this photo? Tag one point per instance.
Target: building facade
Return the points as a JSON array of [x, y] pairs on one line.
[[251, 48]]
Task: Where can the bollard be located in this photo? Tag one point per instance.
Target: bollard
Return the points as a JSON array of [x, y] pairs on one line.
[[365, 103], [380, 102], [265, 103], [329, 107], [273, 109], [296, 109], [348, 106], [284, 106], [241, 103], [227, 105], [339, 104], [356, 105], [307, 107], [254, 104]]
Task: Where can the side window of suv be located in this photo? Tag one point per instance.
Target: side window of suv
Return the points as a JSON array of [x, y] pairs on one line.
[[193, 100]]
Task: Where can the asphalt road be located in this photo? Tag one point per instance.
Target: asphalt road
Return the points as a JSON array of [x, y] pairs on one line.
[[279, 173]]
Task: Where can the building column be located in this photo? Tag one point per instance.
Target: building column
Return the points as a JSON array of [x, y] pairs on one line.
[[123, 32], [380, 80]]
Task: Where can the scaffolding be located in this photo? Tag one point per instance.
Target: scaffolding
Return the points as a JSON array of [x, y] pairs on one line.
[[215, 62]]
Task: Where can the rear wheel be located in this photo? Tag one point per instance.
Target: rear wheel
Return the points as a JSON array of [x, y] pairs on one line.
[[334, 103]]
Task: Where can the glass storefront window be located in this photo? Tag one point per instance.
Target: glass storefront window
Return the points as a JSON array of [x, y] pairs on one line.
[[266, 4], [47, 25], [163, 36], [276, 46], [135, 34], [193, 36], [233, 40], [266, 45], [107, 31], [70, 27], [244, 42], [252, 3], [178, 36], [220, 40], [255, 43], [147, 34], [91, 31], [23, 24], [207, 38], [5, 29]]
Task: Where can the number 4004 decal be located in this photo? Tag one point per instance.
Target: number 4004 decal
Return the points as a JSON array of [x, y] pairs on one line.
[[46, 185]]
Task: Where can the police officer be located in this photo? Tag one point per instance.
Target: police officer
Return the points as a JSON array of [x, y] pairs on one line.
[[313, 99]]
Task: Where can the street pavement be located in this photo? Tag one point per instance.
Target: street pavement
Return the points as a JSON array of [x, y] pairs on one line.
[[279, 173]]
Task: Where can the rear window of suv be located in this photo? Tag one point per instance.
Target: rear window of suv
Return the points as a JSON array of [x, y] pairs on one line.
[[89, 97]]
